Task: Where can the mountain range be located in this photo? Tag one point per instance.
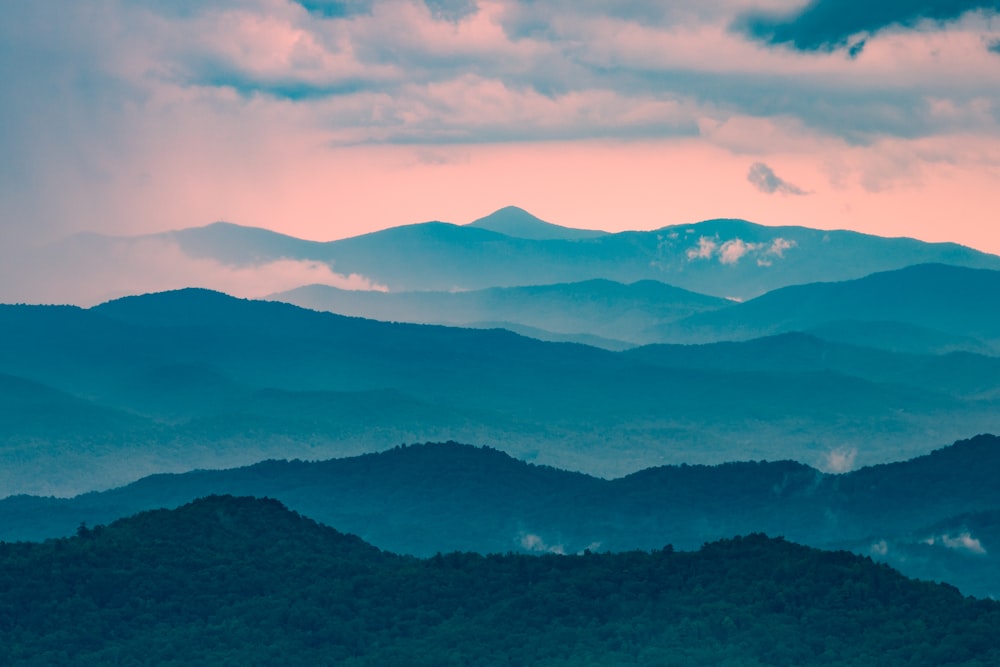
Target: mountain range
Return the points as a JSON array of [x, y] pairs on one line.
[[228, 580], [601, 312], [424, 499], [191, 378], [927, 308], [510, 248]]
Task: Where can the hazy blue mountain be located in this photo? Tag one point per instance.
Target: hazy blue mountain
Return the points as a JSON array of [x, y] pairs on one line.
[[517, 222], [957, 373], [724, 258], [197, 366], [227, 580], [899, 337], [439, 256], [433, 498], [956, 301], [596, 308], [542, 334]]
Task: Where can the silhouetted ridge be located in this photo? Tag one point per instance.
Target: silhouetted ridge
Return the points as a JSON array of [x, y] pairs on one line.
[[244, 581]]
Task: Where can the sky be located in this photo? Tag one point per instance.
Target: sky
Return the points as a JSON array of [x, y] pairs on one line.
[[330, 118]]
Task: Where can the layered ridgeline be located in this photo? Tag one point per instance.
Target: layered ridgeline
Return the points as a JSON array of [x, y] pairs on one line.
[[98, 397], [928, 308], [595, 312], [934, 517], [723, 258], [241, 581]]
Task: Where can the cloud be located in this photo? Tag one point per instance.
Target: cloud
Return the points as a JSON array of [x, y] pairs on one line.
[[126, 267], [733, 250], [824, 25], [330, 9], [879, 548], [532, 542], [840, 460], [764, 179], [962, 542], [704, 250], [779, 246], [131, 116], [993, 46]]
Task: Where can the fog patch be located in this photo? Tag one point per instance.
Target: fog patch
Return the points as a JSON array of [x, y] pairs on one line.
[[535, 543], [94, 272], [839, 460]]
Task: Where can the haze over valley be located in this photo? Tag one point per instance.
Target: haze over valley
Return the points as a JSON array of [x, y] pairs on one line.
[[497, 332]]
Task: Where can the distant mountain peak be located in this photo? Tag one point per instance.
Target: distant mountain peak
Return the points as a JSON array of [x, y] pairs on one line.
[[518, 223]]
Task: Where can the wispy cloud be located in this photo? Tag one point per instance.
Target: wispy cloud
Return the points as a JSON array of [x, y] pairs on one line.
[[964, 541], [764, 179], [151, 265]]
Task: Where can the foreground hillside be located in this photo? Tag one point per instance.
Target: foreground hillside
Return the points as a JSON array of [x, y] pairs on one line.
[[192, 378], [932, 517], [240, 581]]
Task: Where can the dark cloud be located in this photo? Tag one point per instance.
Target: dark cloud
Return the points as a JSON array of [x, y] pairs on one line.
[[994, 46], [827, 25], [287, 89], [451, 10], [858, 115], [764, 179], [335, 9]]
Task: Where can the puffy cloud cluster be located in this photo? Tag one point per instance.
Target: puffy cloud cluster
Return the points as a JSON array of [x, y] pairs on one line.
[[733, 250], [504, 70]]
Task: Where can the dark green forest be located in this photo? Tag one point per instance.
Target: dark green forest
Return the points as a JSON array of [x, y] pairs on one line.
[[242, 581], [422, 499]]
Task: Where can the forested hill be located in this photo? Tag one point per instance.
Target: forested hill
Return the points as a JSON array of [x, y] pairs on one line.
[[427, 498], [243, 581]]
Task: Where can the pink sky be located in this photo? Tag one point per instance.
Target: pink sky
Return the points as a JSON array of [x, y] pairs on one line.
[[143, 116]]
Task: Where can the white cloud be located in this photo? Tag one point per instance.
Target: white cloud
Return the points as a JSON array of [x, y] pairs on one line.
[[962, 542], [840, 460], [733, 250], [532, 542], [704, 250], [779, 246]]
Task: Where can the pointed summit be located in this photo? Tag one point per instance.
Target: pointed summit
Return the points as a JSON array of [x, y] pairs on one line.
[[516, 222]]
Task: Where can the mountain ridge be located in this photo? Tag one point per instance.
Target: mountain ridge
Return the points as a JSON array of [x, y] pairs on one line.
[[722, 257], [239, 580], [437, 497]]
